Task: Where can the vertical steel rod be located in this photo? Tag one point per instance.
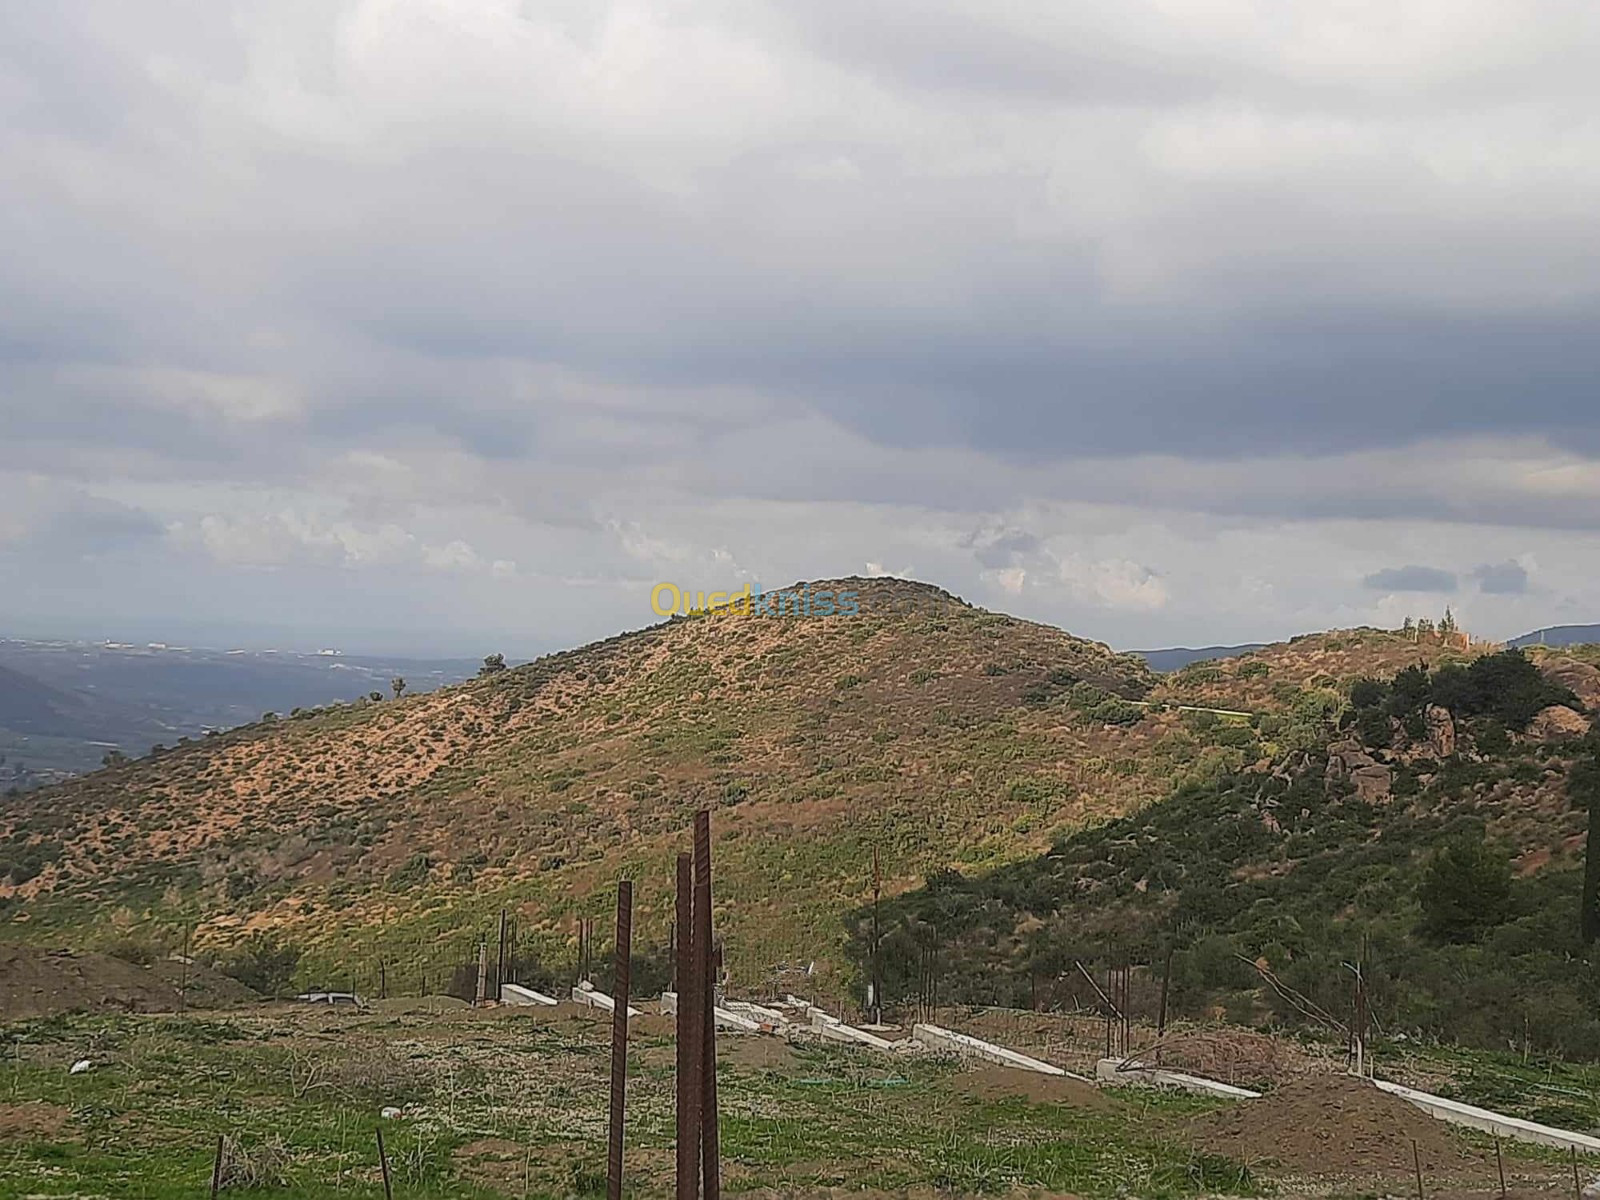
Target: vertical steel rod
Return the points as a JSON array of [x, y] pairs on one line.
[[216, 1170], [687, 1037], [383, 1161], [619, 1037], [705, 975]]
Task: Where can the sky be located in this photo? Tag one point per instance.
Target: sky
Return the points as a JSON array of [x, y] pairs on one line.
[[453, 326]]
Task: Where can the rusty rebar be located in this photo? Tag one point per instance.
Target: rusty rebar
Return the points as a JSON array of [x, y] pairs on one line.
[[383, 1161], [216, 1170], [688, 1177], [705, 978], [619, 1037]]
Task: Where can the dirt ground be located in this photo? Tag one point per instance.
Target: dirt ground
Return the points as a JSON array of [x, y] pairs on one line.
[[40, 983], [1005, 1083], [1333, 1125]]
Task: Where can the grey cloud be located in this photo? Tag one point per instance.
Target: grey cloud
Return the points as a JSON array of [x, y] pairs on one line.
[[1410, 579], [364, 262], [1509, 578]]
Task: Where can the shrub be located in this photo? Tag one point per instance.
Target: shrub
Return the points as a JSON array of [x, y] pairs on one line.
[[1465, 890]]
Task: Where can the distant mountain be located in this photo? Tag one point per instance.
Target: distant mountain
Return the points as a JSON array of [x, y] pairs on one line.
[[1181, 656], [1559, 635], [65, 705]]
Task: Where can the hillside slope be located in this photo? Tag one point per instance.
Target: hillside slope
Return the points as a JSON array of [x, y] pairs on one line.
[[917, 728], [1437, 827]]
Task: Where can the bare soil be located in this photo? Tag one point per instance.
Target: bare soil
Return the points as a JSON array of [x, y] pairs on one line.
[[1334, 1125], [42, 983], [1003, 1083], [36, 1119]]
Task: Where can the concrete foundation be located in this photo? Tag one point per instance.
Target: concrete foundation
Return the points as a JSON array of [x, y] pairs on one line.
[[834, 1030], [767, 1016], [1472, 1117], [967, 1046], [515, 993], [584, 993], [1117, 1071], [724, 1018]]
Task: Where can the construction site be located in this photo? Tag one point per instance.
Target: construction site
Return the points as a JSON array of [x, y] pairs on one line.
[[517, 1091]]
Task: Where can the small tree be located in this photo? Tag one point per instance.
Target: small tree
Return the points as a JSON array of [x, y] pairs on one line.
[[398, 686], [493, 664], [1465, 890], [1583, 789], [264, 963], [1447, 623]]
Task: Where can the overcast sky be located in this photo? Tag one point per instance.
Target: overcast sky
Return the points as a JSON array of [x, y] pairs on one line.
[[454, 325]]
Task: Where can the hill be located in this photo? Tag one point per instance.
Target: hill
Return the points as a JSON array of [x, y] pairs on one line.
[[64, 705], [1559, 635], [918, 728], [935, 735], [1177, 657], [1434, 826]]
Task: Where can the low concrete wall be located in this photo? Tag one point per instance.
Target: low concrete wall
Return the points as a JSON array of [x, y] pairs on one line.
[[1136, 1074], [767, 1016], [968, 1046], [1473, 1117], [514, 993], [835, 1030], [721, 1017], [585, 994]]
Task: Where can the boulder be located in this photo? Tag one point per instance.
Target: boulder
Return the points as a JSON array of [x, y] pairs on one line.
[[1581, 679], [1441, 731], [1349, 763], [1555, 723]]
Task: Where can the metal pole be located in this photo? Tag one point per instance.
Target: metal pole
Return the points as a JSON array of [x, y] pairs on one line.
[[1500, 1162], [383, 1161], [619, 1037], [1416, 1159], [710, 1163], [483, 972], [216, 1170], [876, 1006], [1166, 981], [688, 1028], [500, 962]]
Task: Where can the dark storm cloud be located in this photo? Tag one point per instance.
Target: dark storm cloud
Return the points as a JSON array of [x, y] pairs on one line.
[[1410, 579], [474, 281], [1501, 579]]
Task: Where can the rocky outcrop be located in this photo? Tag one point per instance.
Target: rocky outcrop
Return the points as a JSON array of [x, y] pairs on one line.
[[1579, 678], [1441, 731], [1350, 765], [1555, 723]]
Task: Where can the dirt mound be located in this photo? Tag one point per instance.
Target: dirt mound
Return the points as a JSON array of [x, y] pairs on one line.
[[1238, 1056], [1332, 1124], [756, 1051], [1007, 1083], [653, 1024], [202, 987], [41, 983], [36, 1119]]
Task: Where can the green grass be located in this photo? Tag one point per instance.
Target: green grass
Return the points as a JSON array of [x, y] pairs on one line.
[[494, 1103]]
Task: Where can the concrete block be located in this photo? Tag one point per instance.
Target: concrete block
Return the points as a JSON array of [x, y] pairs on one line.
[[1472, 1117], [721, 1017], [585, 993], [515, 993], [1135, 1074], [968, 1046], [834, 1030], [767, 1016]]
